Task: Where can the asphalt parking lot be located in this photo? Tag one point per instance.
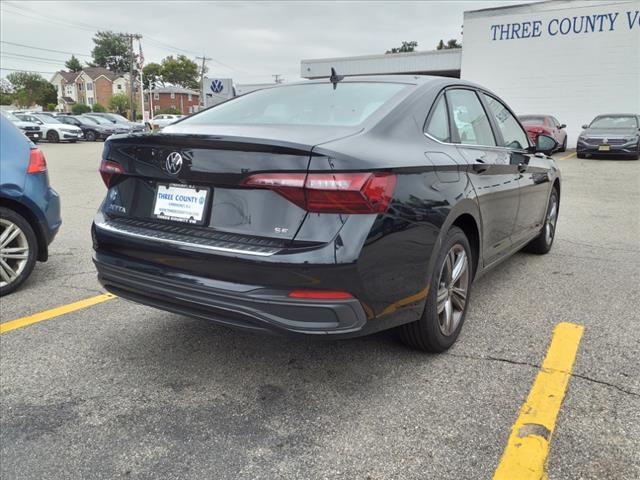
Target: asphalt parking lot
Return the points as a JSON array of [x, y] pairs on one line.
[[118, 390]]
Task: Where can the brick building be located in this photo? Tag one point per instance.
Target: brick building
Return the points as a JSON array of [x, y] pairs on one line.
[[182, 99], [89, 86]]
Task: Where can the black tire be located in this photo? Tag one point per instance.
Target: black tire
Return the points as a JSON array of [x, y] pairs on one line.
[[72, 141], [90, 136], [427, 333], [581, 155], [7, 215], [563, 148], [52, 136], [543, 242]]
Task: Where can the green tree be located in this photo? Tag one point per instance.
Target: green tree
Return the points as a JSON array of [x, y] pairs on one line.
[[453, 43], [152, 75], [6, 92], [51, 107], [31, 88], [180, 71], [73, 64], [111, 51], [119, 103], [98, 108], [405, 47], [80, 108]]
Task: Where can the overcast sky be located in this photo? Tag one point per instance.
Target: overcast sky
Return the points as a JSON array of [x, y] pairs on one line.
[[249, 41]]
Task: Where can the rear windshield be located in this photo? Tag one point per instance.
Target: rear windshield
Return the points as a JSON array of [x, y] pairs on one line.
[[312, 104], [532, 120], [614, 122]]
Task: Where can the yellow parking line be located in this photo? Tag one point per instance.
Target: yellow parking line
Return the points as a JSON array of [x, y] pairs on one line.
[[54, 312], [567, 157], [526, 454]]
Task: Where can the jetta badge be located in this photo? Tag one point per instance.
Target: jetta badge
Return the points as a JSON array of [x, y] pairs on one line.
[[173, 163]]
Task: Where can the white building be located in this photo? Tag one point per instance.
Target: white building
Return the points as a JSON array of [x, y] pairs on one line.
[[572, 59]]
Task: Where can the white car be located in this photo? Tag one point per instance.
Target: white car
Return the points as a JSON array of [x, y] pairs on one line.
[[163, 120], [31, 130], [53, 130]]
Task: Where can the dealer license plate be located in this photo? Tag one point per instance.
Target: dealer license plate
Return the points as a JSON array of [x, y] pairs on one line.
[[180, 203], [604, 148]]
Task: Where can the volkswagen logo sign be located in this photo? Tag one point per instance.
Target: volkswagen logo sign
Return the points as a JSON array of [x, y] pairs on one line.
[[173, 163], [217, 86]]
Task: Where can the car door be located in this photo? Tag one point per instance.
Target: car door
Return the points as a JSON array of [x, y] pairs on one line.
[[533, 179], [493, 176]]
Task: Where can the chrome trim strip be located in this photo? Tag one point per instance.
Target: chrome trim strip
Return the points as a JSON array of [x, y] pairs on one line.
[[111, 228]]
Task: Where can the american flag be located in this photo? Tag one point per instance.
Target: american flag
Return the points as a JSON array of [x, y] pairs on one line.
[[140, 56]]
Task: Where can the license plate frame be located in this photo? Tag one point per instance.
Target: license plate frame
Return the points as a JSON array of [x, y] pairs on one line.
[[197, 210], [604, 148]]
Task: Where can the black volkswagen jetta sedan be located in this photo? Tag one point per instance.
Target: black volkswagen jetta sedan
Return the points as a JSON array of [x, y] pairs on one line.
[[611, 135], [330, 208]]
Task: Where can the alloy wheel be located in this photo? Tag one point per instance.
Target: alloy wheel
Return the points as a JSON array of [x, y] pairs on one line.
[[14, 251], [453, 287], [550, 221]]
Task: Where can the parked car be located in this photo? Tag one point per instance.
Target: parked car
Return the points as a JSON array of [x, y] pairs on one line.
[[120, 120], [545, 125], [91, 130], [31, 130], [163, 120], [53, 129], [612, 134], [117, 127], [29, 208], [332, 209]]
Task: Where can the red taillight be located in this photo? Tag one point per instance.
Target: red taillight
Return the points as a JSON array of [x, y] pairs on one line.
[[37, 163], [109, 171], [320, 294], [331, 192]]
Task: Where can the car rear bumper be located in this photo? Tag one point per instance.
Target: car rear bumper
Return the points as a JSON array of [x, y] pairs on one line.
[[250, 307]]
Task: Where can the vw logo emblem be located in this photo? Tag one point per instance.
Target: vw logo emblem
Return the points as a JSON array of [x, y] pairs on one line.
[[217, 86], [174, 163]]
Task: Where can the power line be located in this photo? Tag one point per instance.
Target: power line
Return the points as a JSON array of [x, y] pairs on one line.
[[45, 49], [23, 70], [43, 59], [93, 28]]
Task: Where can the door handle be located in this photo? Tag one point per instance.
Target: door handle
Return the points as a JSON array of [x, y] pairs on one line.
[[522, 167], [480, 166]]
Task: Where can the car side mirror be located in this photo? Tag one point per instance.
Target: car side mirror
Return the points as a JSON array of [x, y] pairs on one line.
[[546, 144], [564, 125], [584, 127]]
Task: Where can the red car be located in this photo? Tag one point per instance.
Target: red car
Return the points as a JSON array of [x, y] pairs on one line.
[[547, 125]]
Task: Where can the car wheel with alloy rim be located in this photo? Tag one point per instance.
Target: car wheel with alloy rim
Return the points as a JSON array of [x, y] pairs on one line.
[[52, 136], [543, 242], [447, 299], [90, 136], [18, 248]]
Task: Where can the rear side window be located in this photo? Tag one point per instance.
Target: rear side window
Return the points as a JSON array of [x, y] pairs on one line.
[[469, 118], [349, 104], [438, 125], [512, 134]]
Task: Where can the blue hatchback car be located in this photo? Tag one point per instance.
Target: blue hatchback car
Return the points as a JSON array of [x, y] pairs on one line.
[[29, 207]]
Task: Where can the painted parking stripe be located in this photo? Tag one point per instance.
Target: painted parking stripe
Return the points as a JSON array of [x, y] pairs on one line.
[[528, 447], [567, 157], [54, 312]]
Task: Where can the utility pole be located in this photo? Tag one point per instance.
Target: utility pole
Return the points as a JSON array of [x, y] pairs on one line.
[[132, 102], [204, 58], [277, 78]]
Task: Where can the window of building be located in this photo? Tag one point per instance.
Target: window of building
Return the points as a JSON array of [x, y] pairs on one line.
[[119, 87], [173, 95], [469, 118], [89, 86], [156, 96], [156, 108], [190, 108], [80, 86], [90, 100], [190, 97]]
